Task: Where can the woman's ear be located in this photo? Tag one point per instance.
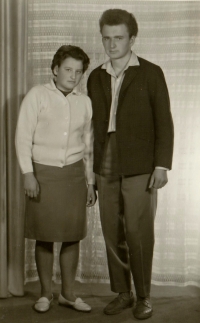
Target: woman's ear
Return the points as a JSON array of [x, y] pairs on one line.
[[55, 70]]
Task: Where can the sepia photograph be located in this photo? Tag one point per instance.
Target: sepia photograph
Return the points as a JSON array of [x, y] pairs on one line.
[[99, 161]]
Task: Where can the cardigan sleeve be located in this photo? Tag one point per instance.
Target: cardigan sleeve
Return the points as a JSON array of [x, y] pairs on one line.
[[26, 126], [88, 138]]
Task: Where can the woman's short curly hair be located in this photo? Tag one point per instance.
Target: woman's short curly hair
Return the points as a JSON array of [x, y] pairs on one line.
[[113, 17], [70, 51]]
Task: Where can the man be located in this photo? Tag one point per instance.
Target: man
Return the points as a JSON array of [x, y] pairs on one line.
[[133, 145]]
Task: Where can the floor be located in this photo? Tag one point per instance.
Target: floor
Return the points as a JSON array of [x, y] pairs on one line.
[[171, 305]]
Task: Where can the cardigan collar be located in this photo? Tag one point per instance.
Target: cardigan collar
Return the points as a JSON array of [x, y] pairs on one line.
[[51, 86]]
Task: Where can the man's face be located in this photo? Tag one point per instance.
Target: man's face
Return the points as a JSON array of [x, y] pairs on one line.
[[116, 41], [68, 74]]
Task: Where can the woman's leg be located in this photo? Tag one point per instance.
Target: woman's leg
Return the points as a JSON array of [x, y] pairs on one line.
[[69, 255], [44, 262]]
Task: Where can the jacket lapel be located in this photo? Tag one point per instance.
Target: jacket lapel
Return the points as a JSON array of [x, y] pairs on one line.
[[130, 74], [106, 83]]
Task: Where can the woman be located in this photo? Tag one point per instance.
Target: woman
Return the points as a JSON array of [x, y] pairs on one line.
[[54, 141]]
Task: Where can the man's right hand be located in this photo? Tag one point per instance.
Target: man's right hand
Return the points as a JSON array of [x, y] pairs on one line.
[[31, 186]]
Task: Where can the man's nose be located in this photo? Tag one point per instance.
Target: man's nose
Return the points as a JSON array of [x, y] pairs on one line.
[[112, 43]]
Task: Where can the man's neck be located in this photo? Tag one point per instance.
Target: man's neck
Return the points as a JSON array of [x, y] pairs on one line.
[[120, 63]]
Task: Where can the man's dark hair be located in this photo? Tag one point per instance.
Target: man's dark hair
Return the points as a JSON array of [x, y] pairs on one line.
[[66, 51], [113, 17]]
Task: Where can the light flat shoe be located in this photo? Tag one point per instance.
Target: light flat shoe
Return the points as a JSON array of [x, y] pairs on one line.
[[43, 304], [78, 305]]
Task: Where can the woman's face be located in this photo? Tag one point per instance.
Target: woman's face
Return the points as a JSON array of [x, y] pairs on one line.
[[68, 74]]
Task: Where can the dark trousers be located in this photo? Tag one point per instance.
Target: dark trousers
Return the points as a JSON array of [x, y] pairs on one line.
[[127, 211]]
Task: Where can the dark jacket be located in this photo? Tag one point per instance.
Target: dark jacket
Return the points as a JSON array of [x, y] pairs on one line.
[[144, 127]]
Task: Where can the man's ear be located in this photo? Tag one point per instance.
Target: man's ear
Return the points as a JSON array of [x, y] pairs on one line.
[[55, 70], [132, 40]]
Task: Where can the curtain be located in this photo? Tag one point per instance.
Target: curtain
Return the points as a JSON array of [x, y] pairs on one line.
[[13, 58], [168, 36]]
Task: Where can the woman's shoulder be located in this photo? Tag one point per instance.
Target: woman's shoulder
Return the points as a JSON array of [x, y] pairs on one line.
[[84, 98], [36, 90], [86, 103]]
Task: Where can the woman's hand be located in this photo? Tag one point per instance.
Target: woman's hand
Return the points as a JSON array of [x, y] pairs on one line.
[[91, 195], [31, 186]]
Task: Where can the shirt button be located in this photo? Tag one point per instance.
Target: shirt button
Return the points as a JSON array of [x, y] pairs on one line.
[[65, 133]]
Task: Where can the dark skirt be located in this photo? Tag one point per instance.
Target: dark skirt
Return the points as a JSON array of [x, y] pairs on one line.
[[58, 214]]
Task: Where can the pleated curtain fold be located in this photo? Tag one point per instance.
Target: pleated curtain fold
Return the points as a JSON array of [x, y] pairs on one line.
[[13, 62]]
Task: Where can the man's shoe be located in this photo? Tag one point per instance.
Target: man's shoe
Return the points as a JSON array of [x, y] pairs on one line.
[[78, 305], [120, 303], [143, 309]]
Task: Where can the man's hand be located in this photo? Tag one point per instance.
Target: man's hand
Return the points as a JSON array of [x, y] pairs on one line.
[[91, 195], [158, 178], [31, 186]]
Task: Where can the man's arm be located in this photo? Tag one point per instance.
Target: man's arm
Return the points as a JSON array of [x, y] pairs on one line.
[[164, 130], [158, 178]]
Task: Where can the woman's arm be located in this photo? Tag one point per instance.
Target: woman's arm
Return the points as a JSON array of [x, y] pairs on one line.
[[91, 195], [31, 186], [26, 125], [88, 138]]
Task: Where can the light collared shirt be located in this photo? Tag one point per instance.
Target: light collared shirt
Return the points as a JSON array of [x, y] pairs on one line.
[[116, 83], [55, 130]]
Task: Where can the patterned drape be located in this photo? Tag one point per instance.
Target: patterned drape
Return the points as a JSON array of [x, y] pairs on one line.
[[168, 36]]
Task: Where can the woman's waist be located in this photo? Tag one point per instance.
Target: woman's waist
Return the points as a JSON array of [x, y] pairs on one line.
[[56, 156]]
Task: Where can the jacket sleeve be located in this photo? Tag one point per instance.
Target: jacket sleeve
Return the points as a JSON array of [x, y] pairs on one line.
[[164, 130]]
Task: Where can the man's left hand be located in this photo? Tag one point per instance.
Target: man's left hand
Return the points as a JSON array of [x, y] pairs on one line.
[[158, 178]]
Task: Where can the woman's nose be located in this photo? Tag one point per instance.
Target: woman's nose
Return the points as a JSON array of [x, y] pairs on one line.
[[73, 75]]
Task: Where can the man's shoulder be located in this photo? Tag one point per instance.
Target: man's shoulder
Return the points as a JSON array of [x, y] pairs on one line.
[[148, 65], [96, 70]]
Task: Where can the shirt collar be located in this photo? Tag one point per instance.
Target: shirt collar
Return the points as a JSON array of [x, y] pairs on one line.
[[133, 61], [51, 86]]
